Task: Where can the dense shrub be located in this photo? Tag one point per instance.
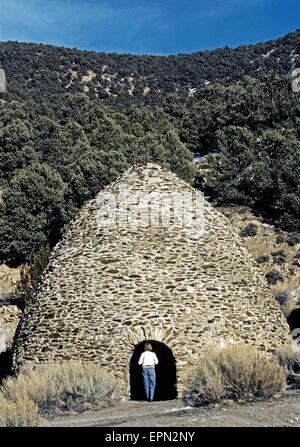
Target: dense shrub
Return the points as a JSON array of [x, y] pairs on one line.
[[279, 239], [244, 209], [279, 260], [273, 277], [21, 413], [205, 383], [237, 372], [288, 359], [63, 388], [249, 231], [278, 253], [262, 259], [53, 161], [296, 262], [293, 239], [281, 297]]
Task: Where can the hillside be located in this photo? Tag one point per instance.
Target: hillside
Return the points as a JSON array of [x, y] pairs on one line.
[[275, 251], [72, 122], [46, 72], [61, 135]]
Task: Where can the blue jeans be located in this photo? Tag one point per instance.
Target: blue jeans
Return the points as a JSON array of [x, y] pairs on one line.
[[149, 377]]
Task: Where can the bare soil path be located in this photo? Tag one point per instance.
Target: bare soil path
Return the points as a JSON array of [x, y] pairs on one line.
[[281, 412]]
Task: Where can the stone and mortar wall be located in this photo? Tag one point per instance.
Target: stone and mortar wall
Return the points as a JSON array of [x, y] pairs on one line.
[[105, 290]]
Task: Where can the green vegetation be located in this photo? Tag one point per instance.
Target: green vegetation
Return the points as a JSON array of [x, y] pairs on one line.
[[60, 143], [238, 372], [53, 159], [46, 72], [255, 126]]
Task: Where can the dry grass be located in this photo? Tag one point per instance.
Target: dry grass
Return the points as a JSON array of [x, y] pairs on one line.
[[238, 372], [288, 306], [19, 414], [288, 359], [205, 383], [69, 387], [264, 243]]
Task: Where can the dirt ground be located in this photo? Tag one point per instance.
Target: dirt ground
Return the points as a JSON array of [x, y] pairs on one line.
[[281, 412]]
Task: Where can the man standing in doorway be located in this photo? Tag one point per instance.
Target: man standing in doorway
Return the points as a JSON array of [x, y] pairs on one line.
[[148, 360]]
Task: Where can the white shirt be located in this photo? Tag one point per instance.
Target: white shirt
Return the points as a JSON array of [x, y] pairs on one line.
[[148, 359]]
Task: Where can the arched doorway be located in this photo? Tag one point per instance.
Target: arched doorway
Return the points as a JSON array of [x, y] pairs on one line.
[[165, 373]]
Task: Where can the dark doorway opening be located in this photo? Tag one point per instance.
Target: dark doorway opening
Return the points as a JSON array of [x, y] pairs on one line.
[[5, 364], [165, 373]]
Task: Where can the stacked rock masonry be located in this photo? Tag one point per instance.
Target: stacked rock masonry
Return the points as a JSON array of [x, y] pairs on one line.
[[110, 286]]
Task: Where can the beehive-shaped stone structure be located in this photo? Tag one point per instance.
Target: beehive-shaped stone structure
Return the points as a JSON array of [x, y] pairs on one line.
[[110, 286]]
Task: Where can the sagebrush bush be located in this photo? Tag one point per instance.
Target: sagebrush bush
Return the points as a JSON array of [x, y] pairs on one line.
[[278, 253], [288, 359], [273, 277], [279, 239], [279, 260], [278, 257], [261, 259], [293, 239], [63, 388], [205, 383], [281, 295], [21, 413], [237, 372], [249, 231]]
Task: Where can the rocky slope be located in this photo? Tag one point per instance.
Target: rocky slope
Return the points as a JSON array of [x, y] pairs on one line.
[[275, 252]]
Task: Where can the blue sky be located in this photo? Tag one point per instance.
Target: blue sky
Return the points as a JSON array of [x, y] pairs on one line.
[[147, 26]]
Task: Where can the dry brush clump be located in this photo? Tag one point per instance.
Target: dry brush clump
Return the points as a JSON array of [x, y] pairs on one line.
[[239, 372], [285, 299], [289, 359], [21, 413], [69, 387], [204, 384]]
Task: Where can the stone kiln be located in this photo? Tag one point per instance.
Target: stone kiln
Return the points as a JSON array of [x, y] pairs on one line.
[[108, 289]]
